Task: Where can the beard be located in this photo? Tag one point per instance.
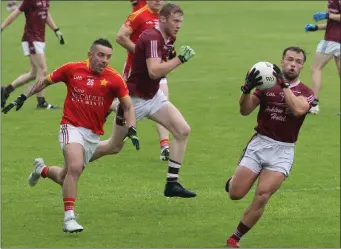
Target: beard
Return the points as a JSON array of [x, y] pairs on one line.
[[290, 77]]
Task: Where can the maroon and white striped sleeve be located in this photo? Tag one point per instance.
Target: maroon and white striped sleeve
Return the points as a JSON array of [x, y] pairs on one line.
[[309, 95], [153, 49]]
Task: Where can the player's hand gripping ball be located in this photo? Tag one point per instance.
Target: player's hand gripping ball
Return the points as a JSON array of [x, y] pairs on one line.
[[266, 70]]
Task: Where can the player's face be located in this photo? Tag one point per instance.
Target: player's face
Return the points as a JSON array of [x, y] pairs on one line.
[[155, 5], [173, 24], [99, 57], [292, 64]]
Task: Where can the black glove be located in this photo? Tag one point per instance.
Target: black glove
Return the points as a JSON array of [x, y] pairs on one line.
[[251, 81], [132, 134], [4, 96], [60, 36], [172, 52], [280, 78], [19, 102]]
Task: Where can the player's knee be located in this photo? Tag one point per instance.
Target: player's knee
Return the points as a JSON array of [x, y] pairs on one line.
[[236, 195], [262, 198], [75, 170], [315, 67], [184, 132]]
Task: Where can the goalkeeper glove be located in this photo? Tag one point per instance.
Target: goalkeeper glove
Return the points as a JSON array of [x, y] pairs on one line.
[[318, 16], [19, 102], [280, 78], [310, 27], [251, 81], [132, 135], [186, 53], [60, 36]]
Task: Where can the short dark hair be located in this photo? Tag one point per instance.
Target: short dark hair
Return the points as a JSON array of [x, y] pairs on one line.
[[170, 8], [103, 42], [297, 50]]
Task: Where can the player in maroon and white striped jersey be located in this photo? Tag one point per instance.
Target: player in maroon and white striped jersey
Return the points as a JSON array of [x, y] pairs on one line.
[[33, 42], [328, 48], [269, 155]]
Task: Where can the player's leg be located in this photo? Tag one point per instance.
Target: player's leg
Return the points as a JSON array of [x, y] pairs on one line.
[[162, 131], [39, 60], [322, 57], [249, 167], [74, 164], [40, 169], [21, 80], [171, 118], [269, 182], [115, 143]]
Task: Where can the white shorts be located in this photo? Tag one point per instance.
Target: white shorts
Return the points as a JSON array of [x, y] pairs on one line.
[[33, 47], [71, 134], [145, 108], [329, 47], [265, 153], [163, 81]]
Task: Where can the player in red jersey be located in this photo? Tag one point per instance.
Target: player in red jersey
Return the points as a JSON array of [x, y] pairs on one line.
[[137, 22], [137, 4], [328, 48], [91, 87], [270, 153], [33, 42], [151, 63]]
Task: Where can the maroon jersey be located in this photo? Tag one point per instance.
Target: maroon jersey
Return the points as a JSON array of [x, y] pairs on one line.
[[36, 12], [149, 45], [275, 119], [333, 27]]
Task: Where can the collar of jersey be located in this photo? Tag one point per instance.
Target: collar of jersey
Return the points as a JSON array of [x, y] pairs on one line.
[[295, 83]]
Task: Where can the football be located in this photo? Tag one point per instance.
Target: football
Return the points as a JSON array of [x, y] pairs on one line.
[[266, 71]]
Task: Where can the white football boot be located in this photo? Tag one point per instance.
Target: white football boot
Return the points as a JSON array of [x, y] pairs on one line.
[[71, 226], [314, 109], [38, 166]]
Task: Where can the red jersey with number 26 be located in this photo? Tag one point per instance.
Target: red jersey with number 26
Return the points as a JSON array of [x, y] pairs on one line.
[[89, 95]]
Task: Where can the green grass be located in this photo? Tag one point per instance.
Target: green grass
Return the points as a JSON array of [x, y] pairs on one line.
[[120, 200]]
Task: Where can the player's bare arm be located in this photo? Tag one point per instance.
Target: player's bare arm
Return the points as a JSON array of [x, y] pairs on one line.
[[129, 115], [158, 69], [297, 104], [123, 38], [321, 26], [128, 109], [248, 103], [10, 18], [41, 84], [54, 27], [335, 17]]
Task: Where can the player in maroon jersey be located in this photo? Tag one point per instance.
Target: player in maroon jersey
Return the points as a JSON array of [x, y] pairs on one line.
[[92, 85], [151, 63], [269, 155], [33, 42], [328, 48]]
